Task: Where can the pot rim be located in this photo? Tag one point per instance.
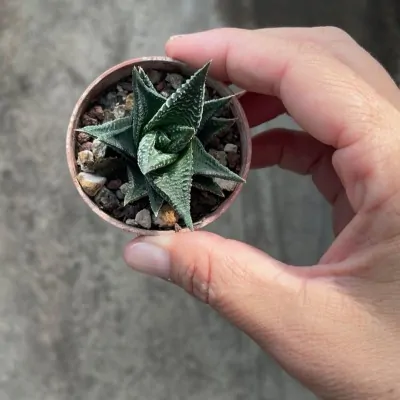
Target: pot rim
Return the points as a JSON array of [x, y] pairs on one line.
[[105, 80]]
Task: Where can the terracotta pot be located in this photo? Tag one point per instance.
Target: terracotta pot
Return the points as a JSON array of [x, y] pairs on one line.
[[123, 70]]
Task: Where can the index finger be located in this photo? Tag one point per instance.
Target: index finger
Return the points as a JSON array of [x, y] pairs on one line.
[[324, 96]]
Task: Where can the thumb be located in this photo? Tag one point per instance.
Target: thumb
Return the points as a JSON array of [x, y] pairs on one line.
[[245, 285]]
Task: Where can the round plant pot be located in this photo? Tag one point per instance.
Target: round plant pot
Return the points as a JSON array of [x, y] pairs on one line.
[[124, 70]]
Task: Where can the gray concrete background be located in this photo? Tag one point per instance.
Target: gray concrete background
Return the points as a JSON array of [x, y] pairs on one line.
[[75, 323]]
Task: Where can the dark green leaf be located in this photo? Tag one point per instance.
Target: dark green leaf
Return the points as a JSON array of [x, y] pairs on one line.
[[175, 182], [146, 105], [207, 184], [149, 158], [147, 82], [156, 200], [109, 128], [162, 140], [121, 143], [137, 188], [212, 127], [206, 165], [180, 137], [185, 106], [211, 107]]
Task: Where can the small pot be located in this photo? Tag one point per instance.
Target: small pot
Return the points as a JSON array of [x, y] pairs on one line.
[[124, 70]]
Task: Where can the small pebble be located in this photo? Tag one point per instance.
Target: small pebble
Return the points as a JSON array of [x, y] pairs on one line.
[[229, 186], [115, 184], [129, 102], [214, 142], [106, 200], [120, 195], [131, 222], [85, 160], [86, 146], [127, 86], [154, 76], [82, 137], [143, 218], [233, 160], [160, 86], [167, 217], [88, 120], [124, 188], [230, 148], [99, 149], [97, 112], [108, 116], [175, 80], [220, 156], [111, 98], [119, 111], [91, 184]]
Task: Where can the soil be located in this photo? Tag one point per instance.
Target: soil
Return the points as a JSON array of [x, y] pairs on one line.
[[112, 104]]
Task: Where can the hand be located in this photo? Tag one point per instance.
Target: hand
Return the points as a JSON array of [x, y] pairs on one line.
[[335, 326]]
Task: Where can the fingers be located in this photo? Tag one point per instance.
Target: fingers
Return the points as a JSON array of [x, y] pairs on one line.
[[260, 108], [242, 283], [287, 315], [324, 96], [343, 47], [300, 153]]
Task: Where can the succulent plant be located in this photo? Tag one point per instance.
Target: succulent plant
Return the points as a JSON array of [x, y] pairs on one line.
[[163, 143]]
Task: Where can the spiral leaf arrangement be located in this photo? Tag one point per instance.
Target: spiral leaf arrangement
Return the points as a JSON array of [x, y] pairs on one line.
[[163, 143]]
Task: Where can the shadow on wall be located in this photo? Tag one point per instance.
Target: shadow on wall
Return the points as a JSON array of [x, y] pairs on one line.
[[375, 25]]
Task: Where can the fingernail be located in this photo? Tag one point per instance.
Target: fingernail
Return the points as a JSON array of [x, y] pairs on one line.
[[148, 259], [175, 37]]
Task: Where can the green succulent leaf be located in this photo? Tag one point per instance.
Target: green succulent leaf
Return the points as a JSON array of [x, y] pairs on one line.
[[149, 158], [147, 103], [137, 188], [180, 137], [156, 200], [148, 83], [174, 182], [185, 105], [110, 128], [116, 134], [207, 184], [162, 141], [211, 107], [214, 126], [206, 165]]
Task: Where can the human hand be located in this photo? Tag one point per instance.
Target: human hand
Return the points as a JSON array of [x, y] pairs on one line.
[[334, 326]]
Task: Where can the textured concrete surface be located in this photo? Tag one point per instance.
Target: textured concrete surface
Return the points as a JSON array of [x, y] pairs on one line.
[[75, 323]]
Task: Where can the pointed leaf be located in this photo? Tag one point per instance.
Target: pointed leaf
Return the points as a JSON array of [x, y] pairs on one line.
[[214, 126], [121, 143], [175, 182], [149, 84], [180, 137], [146, 105], [136, 185], [149, 158], [206, 165], [156, 200], [162, 140], [211, 107], [185, 106], [207, 184], [109, 128]]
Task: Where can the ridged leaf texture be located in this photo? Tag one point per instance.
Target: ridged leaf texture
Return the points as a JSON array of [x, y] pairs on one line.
[[163, 142]]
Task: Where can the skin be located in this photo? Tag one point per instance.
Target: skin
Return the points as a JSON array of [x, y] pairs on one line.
[[334, 326]]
